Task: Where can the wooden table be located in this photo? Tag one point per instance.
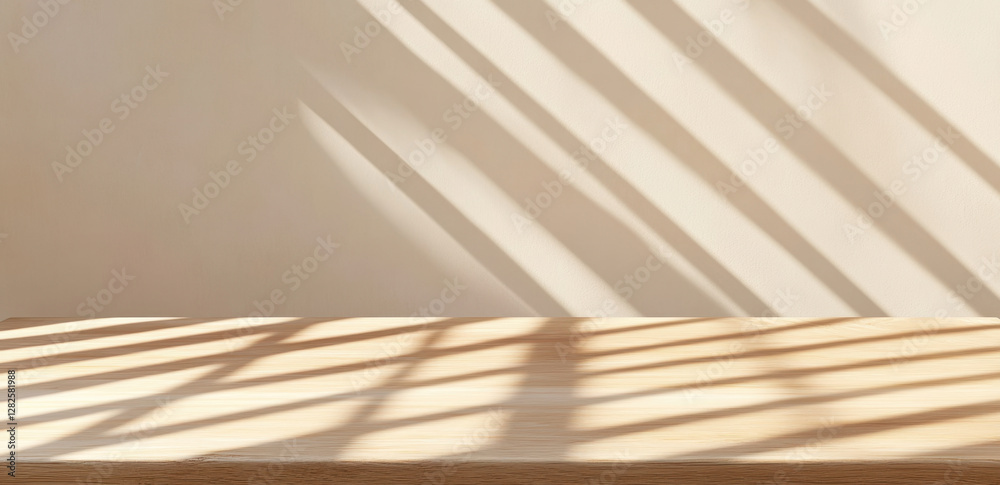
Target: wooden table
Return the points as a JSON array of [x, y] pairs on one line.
[[505, 400]]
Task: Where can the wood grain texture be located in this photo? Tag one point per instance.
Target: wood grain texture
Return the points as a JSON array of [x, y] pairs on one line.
[[506, 400]]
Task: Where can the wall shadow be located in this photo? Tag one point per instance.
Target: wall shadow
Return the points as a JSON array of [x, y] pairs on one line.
[[593, 67]]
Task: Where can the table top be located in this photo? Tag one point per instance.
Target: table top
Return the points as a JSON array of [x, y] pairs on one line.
[[505, 389]]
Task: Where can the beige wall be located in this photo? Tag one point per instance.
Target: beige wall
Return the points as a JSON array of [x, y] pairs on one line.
[[668, 122]]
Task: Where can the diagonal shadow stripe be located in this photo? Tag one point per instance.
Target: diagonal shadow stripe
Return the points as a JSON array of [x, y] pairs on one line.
[[853, 429], [854, 53], [425, 196], [815, 150], [606, 245], [127, 414], [623, 190], [593, 67]]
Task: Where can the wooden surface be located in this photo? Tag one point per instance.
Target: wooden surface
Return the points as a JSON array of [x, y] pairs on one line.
[[512, 400]]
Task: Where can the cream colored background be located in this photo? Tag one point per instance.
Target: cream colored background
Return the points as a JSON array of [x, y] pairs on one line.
[[655, 188]]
